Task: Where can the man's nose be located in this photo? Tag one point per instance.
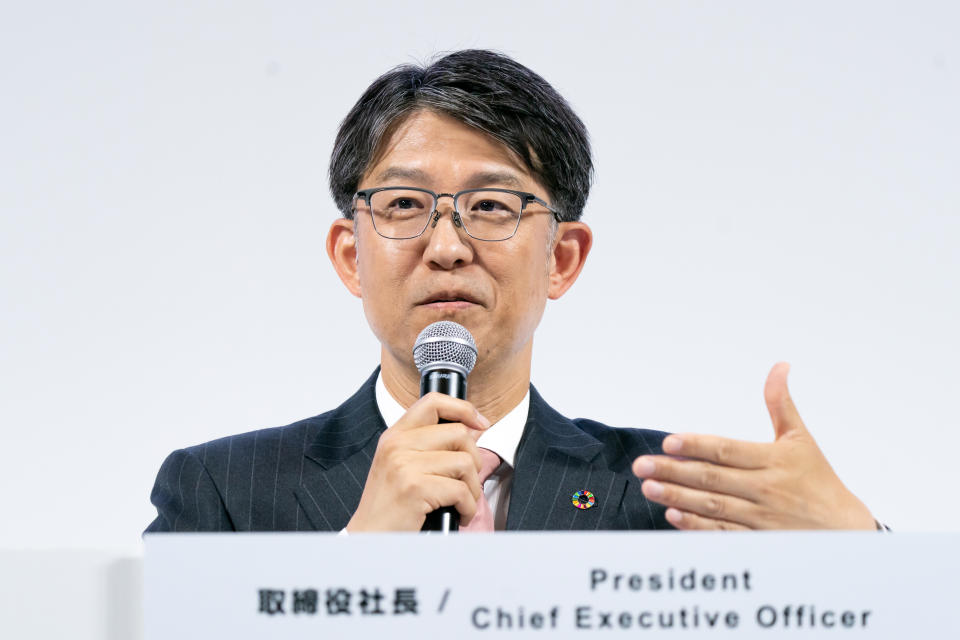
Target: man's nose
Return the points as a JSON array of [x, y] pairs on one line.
[[447, 243]]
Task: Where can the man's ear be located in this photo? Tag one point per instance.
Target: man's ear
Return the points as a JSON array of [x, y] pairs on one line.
[[342, 250], [570, 249]]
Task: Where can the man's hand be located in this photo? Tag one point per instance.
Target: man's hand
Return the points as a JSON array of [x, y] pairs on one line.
[[721, 483], [420, 466]]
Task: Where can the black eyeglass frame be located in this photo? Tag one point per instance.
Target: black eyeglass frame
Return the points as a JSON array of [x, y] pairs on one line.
[[525, 198]]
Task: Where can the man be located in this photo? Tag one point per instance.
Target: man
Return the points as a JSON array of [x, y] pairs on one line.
[[462, 185]]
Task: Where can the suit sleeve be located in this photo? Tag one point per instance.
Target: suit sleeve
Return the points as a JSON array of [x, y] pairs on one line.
[[186, 497]]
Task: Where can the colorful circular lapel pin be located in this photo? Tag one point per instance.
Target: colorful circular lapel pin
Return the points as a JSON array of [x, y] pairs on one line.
[[583, 499]]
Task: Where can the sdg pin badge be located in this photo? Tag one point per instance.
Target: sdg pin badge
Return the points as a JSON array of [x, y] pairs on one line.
[[583, 499]]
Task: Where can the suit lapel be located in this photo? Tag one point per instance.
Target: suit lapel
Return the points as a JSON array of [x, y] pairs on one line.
[[555, 460], [338, 460]]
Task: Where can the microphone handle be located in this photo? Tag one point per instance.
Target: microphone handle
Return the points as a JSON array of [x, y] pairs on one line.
[[445, 381], [451, 383]]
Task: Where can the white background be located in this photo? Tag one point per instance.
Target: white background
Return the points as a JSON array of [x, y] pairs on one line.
[[774, 182]]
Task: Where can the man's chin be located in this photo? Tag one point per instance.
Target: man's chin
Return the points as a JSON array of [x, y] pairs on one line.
[[468, 314]]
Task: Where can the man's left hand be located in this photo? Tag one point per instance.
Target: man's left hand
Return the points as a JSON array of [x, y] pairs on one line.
[[719, 483]]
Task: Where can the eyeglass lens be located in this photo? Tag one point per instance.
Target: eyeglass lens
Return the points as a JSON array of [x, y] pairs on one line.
[[405, 213]]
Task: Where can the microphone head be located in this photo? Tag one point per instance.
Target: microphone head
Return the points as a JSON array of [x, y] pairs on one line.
[[445, 345]]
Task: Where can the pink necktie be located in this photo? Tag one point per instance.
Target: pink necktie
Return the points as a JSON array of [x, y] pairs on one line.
[[483, 521]]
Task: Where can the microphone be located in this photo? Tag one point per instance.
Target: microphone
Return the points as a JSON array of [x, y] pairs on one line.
[[445, 354]]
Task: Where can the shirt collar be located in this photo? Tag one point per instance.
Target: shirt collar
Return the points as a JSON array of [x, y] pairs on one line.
[[503, 437]]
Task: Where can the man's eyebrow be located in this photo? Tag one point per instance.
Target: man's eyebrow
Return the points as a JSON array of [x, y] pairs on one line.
[[493, 178], [402, 173], [475, 181]]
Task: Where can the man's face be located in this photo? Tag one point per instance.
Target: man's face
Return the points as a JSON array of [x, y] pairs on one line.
[[497, 290]]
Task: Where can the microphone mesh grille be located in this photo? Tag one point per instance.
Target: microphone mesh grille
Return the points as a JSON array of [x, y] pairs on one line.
[[445, 342]]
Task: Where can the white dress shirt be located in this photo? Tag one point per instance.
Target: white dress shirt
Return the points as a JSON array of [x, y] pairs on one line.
[[502, 437]]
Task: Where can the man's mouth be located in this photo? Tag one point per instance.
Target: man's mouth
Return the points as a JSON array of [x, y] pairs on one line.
[[447, 300]]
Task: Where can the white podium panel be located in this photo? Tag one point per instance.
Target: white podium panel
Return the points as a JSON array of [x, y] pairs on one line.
[[80, 594], [600, 585]]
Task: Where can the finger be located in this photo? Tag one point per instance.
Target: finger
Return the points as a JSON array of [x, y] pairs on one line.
[[694, 522], [711, 505], [447, 492], [451, 464], [453, 436], [434, 407], [697, 474], [783, 413], [724, 451]]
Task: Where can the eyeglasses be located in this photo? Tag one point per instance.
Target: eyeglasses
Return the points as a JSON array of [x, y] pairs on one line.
[[401, 213]]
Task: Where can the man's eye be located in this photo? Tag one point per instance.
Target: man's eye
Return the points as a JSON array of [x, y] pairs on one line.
[[490, 206], [404, 203]]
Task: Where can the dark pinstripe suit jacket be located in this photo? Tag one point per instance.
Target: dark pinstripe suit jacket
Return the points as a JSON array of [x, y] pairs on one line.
[[308, 476]]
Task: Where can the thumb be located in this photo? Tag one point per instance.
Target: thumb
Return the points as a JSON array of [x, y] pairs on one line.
[[783, 413]]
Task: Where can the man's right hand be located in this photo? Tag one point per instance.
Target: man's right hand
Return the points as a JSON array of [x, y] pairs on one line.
[[421, 465]]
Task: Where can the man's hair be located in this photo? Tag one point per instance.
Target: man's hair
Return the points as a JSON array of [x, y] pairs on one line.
[[482, 89]]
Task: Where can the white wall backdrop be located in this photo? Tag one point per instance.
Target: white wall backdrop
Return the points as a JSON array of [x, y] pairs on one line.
[[774, 181]]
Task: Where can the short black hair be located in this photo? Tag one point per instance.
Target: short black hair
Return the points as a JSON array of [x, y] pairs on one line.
[[485, 90]]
